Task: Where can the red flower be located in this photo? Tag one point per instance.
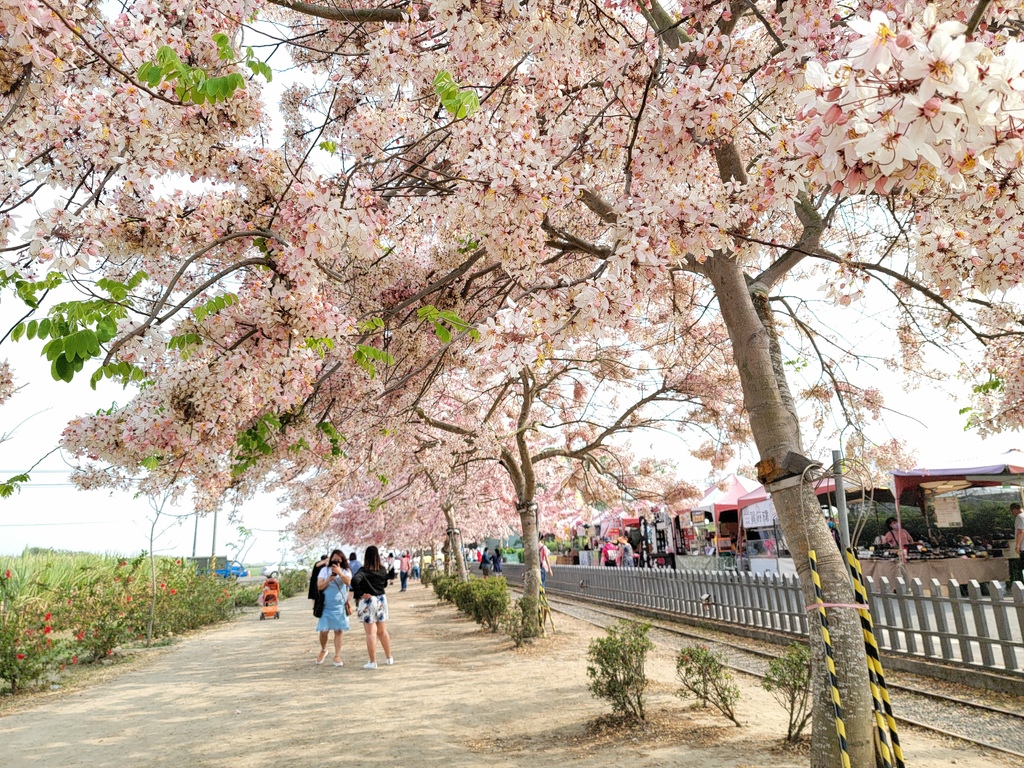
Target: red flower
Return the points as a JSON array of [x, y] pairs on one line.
[[46, 617], [122, 564], [80, 636], [218, 599], [74, 659], [69, 601], [129, 598], [163, 585], [20, 656], [117, 578], [174, 591], [178, 561], [47, 630], [7, 573]]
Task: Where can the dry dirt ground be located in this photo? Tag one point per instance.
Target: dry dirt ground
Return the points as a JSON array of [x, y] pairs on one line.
[[247, 695]]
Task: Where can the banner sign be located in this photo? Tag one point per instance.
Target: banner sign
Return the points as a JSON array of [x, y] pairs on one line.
[[761, 514]]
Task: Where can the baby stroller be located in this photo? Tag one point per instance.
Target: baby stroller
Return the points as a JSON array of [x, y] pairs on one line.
[[269, 599]]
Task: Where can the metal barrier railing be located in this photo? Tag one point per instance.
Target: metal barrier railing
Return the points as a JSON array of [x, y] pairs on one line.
[[979, 626]]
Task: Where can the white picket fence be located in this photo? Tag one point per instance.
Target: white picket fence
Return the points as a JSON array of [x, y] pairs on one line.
[[934, 622]]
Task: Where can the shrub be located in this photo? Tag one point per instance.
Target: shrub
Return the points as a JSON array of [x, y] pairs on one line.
[[444, 586], [515, 621], [293, 583], [29, 647], [58, 608], [427, 575], [789, 681], [616, 667], [703, 674], [492, 602], [463, 595]]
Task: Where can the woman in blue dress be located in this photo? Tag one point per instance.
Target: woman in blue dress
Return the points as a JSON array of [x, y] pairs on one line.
[[333, 581]]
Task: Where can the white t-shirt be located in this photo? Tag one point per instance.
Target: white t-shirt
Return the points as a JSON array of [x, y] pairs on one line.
[[1018, 525]]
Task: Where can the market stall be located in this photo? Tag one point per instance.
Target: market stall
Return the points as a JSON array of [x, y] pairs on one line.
[[922, 486], [722, 503], [761, 542]]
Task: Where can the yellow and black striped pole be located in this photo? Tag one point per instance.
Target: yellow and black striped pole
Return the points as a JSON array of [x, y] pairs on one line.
[[887, 731], [826, 640]]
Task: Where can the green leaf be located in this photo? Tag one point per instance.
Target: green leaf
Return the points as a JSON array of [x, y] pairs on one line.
[[30, 333], [457, 101], [44, 328], [61, 370], [8, 487], [18, 332], [151, 462]]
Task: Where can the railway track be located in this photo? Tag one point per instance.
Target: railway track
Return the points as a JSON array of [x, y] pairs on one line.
[[934, 711]]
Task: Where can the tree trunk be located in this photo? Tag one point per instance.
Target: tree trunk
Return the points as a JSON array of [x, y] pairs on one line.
[[531, 563], [455, 544], [776, 432]]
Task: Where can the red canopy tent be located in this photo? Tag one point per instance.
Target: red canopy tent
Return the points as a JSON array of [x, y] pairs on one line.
[[727, 499]]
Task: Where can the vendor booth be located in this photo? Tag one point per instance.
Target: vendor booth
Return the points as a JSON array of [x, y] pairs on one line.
[[923, 485], [722, 504], [761, 542]]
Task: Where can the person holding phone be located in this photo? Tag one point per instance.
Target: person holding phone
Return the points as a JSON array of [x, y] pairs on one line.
[[333, 580], [369, 586]]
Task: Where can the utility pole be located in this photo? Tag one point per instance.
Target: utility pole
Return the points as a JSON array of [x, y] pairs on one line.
[[844, 522], [213, 546]]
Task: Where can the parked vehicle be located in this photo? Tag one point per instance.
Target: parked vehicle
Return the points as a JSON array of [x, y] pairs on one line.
[[232, 570], [273, 570]]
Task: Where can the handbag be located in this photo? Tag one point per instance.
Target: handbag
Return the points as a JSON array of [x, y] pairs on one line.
[[318, 605], [348, 608]]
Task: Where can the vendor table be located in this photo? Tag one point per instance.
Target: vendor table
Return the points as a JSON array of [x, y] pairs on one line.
[[960, 568]]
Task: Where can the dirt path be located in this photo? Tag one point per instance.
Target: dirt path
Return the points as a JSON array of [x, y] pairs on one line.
[[247, 695]]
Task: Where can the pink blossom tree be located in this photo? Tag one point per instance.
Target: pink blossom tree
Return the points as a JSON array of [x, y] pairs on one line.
[[536, 172]]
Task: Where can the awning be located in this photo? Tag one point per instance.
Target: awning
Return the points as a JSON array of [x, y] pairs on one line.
[[721, 500], [997, 469]]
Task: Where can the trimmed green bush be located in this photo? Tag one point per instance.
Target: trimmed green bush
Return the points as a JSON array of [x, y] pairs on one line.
[[515, 622], [444, 586], [616, 667], [789, 681], [703, 675]]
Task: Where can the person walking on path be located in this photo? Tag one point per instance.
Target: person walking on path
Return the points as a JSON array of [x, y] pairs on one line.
[[545, 563], [369, 586], [333, 581], [404, 567], [485, 563], [353, 563], [496, 561], [314, 576]]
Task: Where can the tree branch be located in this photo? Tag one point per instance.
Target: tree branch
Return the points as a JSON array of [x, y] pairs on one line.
[[354, 15]]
